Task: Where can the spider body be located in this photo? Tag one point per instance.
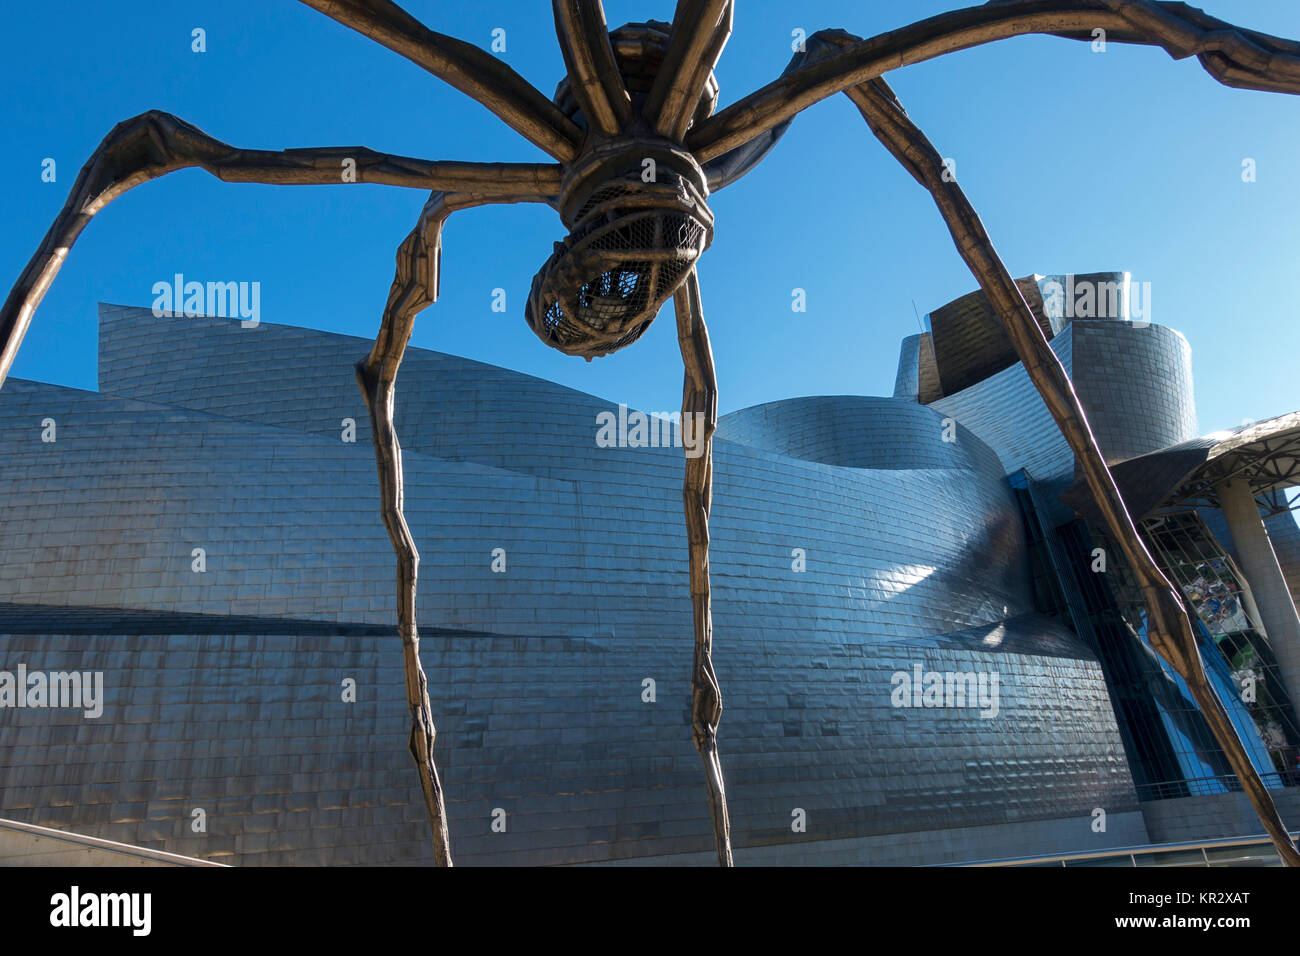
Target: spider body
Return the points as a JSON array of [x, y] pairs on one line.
[[635, 204], [638, 221], [637, 146]]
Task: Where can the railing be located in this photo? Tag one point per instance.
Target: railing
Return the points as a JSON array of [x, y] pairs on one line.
[[1208, 786], [27, 844], [1240, 851]]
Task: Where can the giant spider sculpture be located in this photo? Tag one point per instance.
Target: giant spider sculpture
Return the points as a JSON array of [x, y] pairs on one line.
[[638, 149]]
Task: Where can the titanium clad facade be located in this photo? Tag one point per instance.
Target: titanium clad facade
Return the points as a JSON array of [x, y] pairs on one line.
[[1005, 411], [1135, 383], [851, 544], [1134, 380]]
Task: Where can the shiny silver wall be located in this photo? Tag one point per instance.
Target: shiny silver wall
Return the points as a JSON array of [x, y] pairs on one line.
[[223, 687], [1134, 380]]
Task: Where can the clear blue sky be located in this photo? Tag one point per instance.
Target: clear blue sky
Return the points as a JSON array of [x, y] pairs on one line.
[[1077, 161]]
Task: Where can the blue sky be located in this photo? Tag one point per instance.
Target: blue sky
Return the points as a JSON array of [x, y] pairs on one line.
[[1078, 161]]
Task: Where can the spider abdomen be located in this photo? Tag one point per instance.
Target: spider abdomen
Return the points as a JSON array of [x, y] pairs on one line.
[[638, 221]]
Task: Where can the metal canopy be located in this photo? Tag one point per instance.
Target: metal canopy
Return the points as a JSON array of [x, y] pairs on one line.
[[1265, 454]]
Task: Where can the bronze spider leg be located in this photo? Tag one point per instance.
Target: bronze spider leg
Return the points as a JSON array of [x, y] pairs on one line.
[[1169, 626], [1232, 55], [414, 288], [589, 60], [154, 143], [701, 29], [474, 72], [700, 398]]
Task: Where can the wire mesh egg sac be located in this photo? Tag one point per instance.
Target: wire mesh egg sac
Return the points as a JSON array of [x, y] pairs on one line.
[[630, 247]]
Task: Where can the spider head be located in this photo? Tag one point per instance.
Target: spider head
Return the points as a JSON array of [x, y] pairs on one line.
[[637, 223]]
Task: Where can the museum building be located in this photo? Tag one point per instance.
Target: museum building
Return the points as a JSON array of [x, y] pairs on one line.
[[928, 650]]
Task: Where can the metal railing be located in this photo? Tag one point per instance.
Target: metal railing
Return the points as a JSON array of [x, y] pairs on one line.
[[26, 844], [1209, 786], [1255, 850]]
